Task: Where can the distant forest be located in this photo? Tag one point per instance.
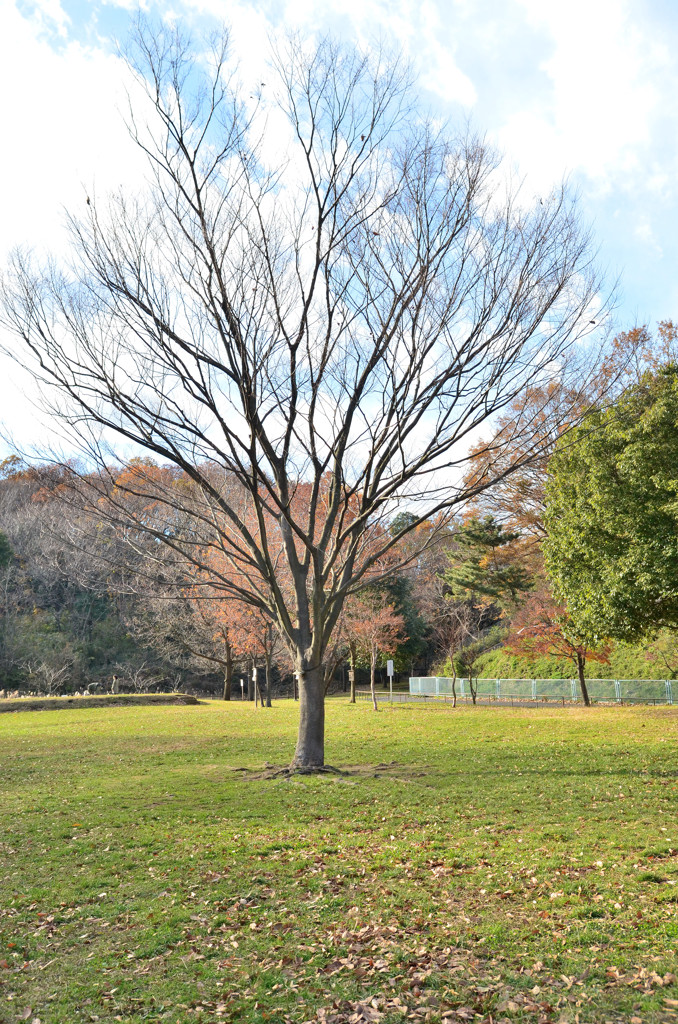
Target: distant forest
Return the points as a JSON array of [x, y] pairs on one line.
[[83, 601], [78, 608]]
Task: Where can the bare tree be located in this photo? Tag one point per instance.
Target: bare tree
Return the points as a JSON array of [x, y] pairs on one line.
[[137, 678], [321, 299], [49, 677]]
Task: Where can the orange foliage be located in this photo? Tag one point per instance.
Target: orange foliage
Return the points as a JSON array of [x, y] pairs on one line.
[[541, 627]]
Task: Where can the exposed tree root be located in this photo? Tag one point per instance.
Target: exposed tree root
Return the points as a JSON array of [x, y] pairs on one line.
[[271, 771]]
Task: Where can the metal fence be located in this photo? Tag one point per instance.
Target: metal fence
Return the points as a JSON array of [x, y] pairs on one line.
[[613, 691]]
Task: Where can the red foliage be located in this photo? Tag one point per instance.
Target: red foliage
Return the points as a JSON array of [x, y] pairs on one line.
[[542, 627]]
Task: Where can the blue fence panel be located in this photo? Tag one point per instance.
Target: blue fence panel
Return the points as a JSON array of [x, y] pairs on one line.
[[554, 688], [652, 691], [515, 687]]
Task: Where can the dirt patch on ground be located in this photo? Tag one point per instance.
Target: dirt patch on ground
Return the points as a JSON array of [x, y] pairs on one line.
[[375, 771], [117, 700]]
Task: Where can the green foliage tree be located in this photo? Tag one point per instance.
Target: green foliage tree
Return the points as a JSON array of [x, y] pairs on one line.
[[486, 577], [483, 565], [612, 515], [5, 551]]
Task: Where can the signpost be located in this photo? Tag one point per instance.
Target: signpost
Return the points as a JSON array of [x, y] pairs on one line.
[[389, 672]]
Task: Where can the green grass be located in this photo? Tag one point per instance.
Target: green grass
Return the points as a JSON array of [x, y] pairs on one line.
[[513, 865]]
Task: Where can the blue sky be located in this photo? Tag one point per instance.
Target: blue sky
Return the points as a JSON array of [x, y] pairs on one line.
[[585, 89]]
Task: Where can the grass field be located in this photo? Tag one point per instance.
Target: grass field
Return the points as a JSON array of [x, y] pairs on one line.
[[509, 865]]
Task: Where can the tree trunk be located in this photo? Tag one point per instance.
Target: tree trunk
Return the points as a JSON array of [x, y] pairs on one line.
[[310, 752], [228, 673], [373, 671], [581, 661], [352, 653], [268, 681], [454, 680]]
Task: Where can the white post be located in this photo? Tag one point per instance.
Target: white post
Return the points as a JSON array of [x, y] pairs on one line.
[[389, 671]]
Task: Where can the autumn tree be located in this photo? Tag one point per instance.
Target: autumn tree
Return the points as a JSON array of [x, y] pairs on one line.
[[543, 627], [552, 408], [324, 295], [254, 636], [374, 628]]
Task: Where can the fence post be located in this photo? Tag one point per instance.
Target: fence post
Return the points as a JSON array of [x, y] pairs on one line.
[[669, 691], [573, 689], [497, 684], [617, 690], [437, 686], [534, 689], [461, 684]]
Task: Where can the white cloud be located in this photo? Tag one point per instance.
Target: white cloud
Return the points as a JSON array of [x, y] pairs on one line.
[[63, 137], [604, 71], [645, 234], [417, 27], [584, 87], [49, 16], [62, 127]]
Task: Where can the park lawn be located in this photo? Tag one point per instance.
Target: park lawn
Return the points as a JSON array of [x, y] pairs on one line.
[[510, 865]]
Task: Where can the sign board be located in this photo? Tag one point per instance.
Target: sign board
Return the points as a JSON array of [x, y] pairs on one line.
[[389, 668]]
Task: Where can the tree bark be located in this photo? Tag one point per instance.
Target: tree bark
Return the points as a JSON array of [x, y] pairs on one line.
[[310, 751], [268, 681], [228, 673], [373, 668], [454, 680], [353, 656], [581, 661]]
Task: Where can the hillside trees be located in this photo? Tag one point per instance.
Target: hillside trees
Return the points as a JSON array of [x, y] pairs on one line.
[[322, 298]]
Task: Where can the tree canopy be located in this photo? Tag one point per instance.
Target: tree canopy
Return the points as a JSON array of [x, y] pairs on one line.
[[612, 515], [321, 299]]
